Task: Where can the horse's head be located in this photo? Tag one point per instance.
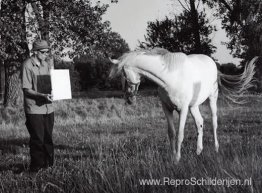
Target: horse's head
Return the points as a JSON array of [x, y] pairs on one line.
[[130, 83], [130, 80]]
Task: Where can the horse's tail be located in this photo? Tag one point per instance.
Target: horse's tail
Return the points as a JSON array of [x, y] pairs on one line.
[[233, 87]]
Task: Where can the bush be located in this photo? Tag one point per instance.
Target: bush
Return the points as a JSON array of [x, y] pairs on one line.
[[94, 73]]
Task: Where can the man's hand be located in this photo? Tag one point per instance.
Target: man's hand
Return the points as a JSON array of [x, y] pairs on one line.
[[48, 97]]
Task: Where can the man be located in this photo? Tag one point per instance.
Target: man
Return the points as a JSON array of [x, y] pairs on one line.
[[39, 112]]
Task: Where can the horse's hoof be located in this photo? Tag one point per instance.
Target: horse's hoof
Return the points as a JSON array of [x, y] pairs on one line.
[[216, 148], [176, 160], [199, 150]]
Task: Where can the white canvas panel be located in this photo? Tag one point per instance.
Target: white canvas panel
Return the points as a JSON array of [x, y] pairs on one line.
[[61, 86]]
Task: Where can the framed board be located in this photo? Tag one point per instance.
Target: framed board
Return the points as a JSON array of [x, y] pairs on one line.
[[61, 86]]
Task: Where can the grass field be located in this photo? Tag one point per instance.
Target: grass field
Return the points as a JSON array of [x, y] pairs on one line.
[[102, 145]]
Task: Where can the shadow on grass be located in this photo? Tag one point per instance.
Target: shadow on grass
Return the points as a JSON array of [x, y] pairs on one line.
[[17, 168], [12, 145], [76, 153], [95, 93]]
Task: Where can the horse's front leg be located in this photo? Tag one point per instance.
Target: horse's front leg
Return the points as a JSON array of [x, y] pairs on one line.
[[182, 121], [199, 124], [171, 128]]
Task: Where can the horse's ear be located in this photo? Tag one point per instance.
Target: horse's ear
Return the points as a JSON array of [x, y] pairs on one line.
[[115, 68], [114, 61], [123, 81], [114, 71]]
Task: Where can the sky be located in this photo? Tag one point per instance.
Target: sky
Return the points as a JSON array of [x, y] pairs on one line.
[[129, 18]]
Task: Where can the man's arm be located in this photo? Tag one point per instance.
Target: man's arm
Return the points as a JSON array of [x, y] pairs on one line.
[[32, 93]]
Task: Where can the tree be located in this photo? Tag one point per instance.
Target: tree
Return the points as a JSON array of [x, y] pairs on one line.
[[13, 47], [242, 21], [74, 27], [1, 81], [178, 35], [193, 16]]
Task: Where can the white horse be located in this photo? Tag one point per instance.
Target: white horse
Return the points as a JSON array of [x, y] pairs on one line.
[[185, 82]]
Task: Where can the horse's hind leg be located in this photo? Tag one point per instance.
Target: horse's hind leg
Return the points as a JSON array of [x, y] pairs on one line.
[[180, 138], [171, 128], [199, 124], [213, 107]]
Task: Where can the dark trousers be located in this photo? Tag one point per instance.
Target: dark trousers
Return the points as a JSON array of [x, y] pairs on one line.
[[40, 128]]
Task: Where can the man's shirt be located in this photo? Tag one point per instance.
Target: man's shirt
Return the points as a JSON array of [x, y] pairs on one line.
[[36, 76]]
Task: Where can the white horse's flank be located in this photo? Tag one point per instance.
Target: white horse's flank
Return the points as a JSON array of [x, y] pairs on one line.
[[185, 82]]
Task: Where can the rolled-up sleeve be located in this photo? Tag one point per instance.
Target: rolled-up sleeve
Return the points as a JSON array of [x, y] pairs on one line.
[[26, 77]]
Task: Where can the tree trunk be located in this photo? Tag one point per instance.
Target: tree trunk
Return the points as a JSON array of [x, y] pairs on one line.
[[13, 92], [16, 48], [195, 24], [46, 14], [1, 81], [43, 21]]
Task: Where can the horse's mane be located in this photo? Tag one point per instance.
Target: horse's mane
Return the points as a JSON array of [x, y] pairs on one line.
[[170, 60], [156, 51], [173, 60]]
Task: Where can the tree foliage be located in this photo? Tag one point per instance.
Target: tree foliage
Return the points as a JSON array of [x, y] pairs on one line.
[[13, 44], [178, 34], [188, 32], [242, 21], [76, 28]]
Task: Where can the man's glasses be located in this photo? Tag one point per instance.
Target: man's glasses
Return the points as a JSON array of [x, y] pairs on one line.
[[44, 52]]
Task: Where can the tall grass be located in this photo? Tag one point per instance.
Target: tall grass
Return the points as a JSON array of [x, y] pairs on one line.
[[102, 145]]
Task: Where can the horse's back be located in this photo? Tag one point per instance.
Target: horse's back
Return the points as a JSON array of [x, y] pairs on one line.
[[203, 62], [203, 74], [202, 67]]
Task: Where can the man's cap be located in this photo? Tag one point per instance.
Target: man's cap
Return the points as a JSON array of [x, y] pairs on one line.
[[40, 45]]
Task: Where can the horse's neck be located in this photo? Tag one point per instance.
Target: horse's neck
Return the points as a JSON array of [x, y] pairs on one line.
[[153, 71]]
